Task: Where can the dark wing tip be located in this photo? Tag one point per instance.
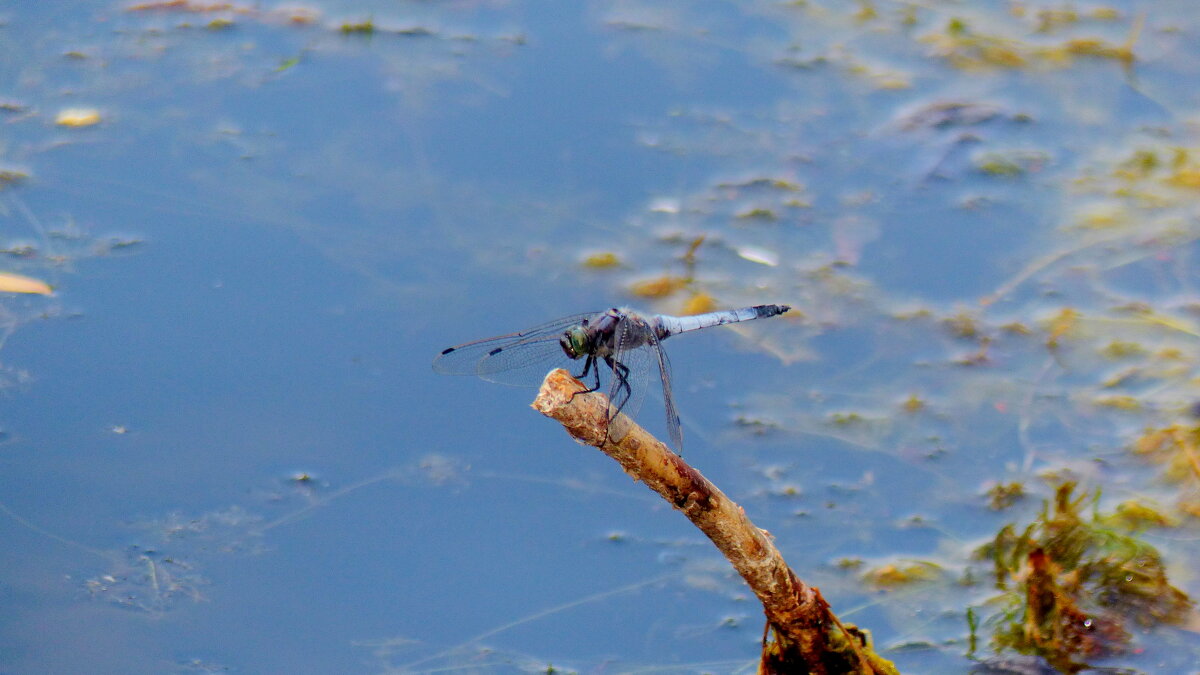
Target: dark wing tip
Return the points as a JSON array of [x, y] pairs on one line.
[[447, 350], [496, 351]]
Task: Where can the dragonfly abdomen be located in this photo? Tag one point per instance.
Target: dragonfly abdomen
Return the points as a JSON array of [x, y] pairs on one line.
[[683, 324]]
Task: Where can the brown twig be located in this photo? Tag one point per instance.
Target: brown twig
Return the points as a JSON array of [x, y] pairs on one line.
[[796, 611]]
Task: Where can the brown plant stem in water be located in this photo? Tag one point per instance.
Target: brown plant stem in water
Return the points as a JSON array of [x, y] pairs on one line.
[[796, 612]]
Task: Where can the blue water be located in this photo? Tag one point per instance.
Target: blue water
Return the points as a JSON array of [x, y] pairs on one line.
[[224, 449]]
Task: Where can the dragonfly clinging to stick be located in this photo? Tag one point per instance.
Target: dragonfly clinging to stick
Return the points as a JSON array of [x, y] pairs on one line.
[[628, 343]]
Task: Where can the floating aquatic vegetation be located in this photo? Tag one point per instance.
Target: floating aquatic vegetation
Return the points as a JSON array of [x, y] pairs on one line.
[[1012, 162], [368, 27], [963, 324], [1003, 495], [147, 580], [1072, 586], [1176, 448], [1061, 325], [965, 48], [913, 404], [758, 213], [293, 15], [11, 177], [764, 182], [1122, 349], [892, 575], [364, 27], [659, 287], [700, 303], [1049, 20], [604, 260], [1174, 166], [1136, 515], [968, 48], [77, 117]]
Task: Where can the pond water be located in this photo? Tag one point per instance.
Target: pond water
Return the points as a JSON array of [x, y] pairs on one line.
[[224, 449]]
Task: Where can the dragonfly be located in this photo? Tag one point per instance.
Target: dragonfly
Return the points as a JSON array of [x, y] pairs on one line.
[[628, 344]]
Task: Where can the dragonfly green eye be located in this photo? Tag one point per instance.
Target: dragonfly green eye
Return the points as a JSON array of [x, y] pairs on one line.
[[574, 342]]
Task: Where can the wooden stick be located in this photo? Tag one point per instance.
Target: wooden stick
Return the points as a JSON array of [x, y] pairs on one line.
[[795, 610]]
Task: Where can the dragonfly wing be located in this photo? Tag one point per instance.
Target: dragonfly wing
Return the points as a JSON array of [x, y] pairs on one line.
[[631, 359], [674, 429], [516, 358]]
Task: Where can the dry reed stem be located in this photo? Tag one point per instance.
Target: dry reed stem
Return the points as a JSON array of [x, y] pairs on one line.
[[796, 610]]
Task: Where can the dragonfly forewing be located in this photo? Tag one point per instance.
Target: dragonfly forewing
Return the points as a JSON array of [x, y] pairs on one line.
[[517, 358]]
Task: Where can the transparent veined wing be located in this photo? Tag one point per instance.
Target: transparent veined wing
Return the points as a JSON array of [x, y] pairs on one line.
[[674, 429], [627, 388], [516, 358]]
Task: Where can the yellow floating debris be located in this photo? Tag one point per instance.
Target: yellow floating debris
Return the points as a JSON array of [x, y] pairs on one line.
[[15, 283], [1122, 349], [699, 303], [657, 288], [1135, 515], [77, 117], [1119, 402], [1186, 178], [366, 27], [1003, 495], [902, 574], [912, 404], [1061, 325], [758, 213], [602, 260], [300, 16], [10, 176], [963, 325]]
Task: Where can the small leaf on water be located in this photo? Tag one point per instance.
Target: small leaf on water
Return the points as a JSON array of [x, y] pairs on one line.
[[77, 117], [657, 288], [602, 260], [699, 304], [15, 283]]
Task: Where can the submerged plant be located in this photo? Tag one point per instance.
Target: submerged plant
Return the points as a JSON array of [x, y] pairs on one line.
[[1176, 449], [1072, 585]]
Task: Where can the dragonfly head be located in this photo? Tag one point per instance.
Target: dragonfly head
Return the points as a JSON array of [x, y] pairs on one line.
[[575, 342]]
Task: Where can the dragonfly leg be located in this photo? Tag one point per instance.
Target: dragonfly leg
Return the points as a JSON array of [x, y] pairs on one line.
[[589, 364], [624, 391], [621, 372]]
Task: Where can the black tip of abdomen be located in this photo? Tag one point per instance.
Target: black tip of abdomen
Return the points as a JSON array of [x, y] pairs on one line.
[[771, 310]]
